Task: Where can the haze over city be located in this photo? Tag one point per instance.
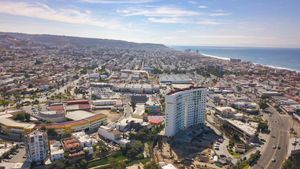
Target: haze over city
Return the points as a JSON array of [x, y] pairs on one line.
[[255, 23]]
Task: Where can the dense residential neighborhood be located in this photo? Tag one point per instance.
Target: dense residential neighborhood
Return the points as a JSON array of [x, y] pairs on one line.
[[68, 102]]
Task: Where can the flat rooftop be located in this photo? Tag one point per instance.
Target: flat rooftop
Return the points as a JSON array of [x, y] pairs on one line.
[[176, 78], [186, 89], [245, 127], [6, 121], [79, 115]]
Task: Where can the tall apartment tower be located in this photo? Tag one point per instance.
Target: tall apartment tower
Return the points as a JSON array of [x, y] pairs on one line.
[[36, 144], [184, 108]]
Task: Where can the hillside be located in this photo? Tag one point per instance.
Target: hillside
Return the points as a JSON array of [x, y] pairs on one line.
[[6, 38]]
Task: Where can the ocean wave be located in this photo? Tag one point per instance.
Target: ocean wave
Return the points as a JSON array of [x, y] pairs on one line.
[[217, 57], [270, 66], [277, 67]]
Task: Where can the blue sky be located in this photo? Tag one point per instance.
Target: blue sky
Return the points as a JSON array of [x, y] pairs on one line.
[[269, 23]]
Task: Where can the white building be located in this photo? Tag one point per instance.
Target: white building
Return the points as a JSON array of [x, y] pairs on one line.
[[36, 144], [84, 139], [184, 108], [56, 151], [109, 133], [108, 104], [112, 135]]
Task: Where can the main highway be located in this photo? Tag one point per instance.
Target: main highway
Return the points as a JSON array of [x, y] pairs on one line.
[[276, 149]]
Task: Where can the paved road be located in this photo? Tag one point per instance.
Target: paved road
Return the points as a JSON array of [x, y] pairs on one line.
[[279, 125]]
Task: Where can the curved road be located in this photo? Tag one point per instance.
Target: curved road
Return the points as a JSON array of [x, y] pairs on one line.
[[279, 136]]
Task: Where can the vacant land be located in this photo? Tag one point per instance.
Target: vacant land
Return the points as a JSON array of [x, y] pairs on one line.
[[111, 115]]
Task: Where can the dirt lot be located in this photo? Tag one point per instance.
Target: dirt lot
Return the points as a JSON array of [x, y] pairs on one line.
[[111, 116]]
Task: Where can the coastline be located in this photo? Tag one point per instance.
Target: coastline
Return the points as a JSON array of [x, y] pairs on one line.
[[214, 56], [269, 66]]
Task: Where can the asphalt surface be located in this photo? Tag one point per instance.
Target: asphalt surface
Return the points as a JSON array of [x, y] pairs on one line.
[[279, 125]]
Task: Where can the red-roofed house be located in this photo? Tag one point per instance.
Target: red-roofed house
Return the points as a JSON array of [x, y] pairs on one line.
[[156, 119]]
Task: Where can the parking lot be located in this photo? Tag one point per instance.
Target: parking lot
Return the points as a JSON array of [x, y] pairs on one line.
[[17, 156]]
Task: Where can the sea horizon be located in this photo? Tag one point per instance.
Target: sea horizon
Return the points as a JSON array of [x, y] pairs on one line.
[[274, 57]]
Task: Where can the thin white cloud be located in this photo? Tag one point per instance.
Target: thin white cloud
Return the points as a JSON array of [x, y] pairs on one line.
[[158, 12], [166, 20], [220, 14], [176, 20], [43, 11], [208, 22], [229, 36], [118, 1], [192, 2], [202, 6]]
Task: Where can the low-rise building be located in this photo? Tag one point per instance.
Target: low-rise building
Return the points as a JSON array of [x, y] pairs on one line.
[[227, 112], [156, 120], [113, 135], [74, 105], [71, 145], [128, 123], [152, 106], [107, 104], [84, 139], [249, 107], [56, 150], [91, 123], [12, 129], [244, 130]]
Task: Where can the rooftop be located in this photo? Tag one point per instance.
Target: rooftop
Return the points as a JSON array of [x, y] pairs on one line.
[[178, 78], [182, 90], [5, 120], [79, 115], [245, 127]]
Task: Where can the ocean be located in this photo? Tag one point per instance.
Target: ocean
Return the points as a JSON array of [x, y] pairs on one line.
[[284, 58]]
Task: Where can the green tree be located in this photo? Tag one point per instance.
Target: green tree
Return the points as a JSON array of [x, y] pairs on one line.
[[263, 104], [157, 71], [58, 165], [293, 162], [20, 117], [52, 133], [27, 117], [254, 158], [134, 149], [83, 164], [263, 127], [118, 165], [4, 103]]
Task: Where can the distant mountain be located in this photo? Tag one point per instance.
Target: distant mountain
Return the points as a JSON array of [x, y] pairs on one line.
[[74, 41]]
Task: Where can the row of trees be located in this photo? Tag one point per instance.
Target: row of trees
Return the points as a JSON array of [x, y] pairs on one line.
[[82, 164], [241, 164], [263, 127], [293, 162]]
